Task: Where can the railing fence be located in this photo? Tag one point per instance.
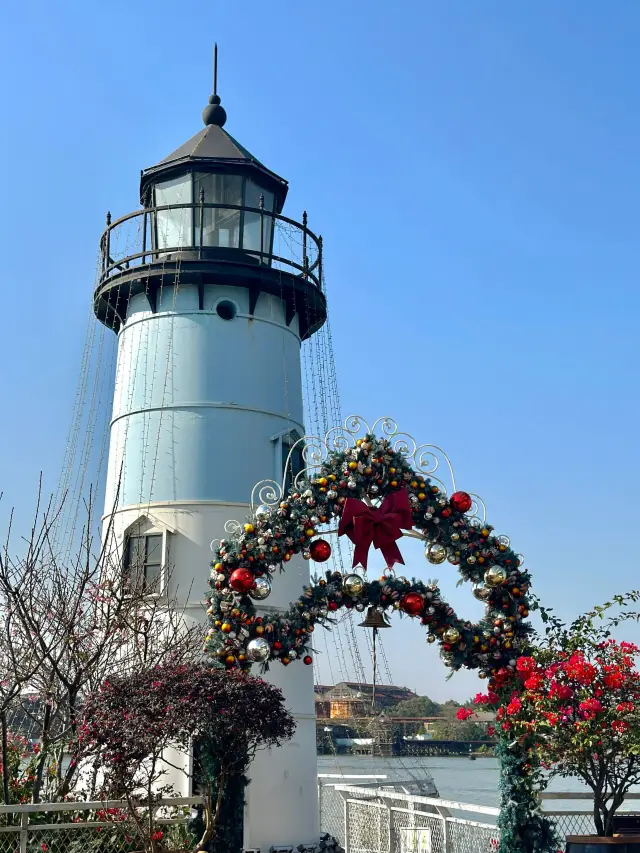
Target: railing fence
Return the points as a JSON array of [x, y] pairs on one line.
[[374, 820], [73, 827]]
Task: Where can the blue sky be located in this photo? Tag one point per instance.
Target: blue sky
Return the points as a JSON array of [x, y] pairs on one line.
[[473, 169]]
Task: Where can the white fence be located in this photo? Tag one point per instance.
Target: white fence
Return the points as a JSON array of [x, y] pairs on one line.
[[77, 828], [370, 819]]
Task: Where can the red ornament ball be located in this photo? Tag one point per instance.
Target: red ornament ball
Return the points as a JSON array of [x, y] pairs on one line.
[[446, 512], [242, 580], [412, 603], [332, 605], [307, 659], [461, 501], [320, 550]]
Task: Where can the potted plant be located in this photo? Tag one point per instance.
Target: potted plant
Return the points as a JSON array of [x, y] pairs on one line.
[[577, 707]]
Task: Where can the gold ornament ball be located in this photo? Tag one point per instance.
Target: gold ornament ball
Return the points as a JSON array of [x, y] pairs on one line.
[[451, 635], [436, 553], [353, 585], [495, 576], [430, 638]]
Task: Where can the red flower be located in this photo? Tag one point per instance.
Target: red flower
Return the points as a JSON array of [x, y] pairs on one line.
[[614, 678], [514, 706], [158, 835], [524, 664], [625, 707], [578, 669], [560, 691], [620, 726], [464, 713], [534, 682], [591, 705]]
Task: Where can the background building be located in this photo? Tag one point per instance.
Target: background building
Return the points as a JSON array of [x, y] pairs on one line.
[[355, 699]]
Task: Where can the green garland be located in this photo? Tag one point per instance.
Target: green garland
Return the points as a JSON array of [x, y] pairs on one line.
[[523, 827], [371, 469]]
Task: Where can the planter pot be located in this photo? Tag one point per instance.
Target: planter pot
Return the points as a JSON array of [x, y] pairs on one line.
[[594, 844]]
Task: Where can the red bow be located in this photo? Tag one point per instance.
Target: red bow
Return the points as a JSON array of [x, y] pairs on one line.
[[380, 526]]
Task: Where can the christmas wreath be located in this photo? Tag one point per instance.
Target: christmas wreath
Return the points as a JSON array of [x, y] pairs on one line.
[[370, 488]]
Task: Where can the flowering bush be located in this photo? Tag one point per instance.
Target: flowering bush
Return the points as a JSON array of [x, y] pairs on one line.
[[569, 706], [223, 717], [582, 709]]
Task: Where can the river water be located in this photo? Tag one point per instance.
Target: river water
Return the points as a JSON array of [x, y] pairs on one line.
[[456, 778]]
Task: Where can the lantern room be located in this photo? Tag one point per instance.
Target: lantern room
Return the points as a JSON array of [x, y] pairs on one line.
[[214, 175], [211, 215]]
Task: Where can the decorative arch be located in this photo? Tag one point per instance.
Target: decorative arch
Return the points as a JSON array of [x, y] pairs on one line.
[[354, 472]]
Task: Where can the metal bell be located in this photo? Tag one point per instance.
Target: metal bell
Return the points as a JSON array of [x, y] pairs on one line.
[[375, 618]]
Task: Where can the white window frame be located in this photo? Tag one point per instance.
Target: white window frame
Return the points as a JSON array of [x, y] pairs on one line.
[[282, 444], [145, 526]]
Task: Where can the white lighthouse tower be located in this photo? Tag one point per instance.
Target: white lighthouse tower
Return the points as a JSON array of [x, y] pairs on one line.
[[211, 291]]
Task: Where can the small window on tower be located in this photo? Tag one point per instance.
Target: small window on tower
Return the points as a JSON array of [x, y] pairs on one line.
[[292, 459], [143, 561]]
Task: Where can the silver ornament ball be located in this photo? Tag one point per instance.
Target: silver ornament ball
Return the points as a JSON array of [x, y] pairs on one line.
[[482, 593], [261, 590], [258, 650]]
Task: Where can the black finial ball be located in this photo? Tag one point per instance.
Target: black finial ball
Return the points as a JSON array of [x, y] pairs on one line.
[[213, 113]]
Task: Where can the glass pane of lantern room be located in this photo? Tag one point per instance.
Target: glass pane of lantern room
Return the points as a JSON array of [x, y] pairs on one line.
[[220, 225], [251, 233], [174, 226]]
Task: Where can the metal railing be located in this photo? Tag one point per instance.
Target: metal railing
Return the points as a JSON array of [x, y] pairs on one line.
[[78, 828], [364, 818], [373, 820], [138, 238]]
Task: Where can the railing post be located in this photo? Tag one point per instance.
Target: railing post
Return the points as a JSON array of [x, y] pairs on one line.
[[24, 831], [144, 237], [261, 206], [107, 241], [320, 262], [446, 836], [346, 840], [305, 259], [201, 220]]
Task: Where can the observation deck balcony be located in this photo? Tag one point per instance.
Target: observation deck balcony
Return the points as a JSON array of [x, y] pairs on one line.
[[206, 244]]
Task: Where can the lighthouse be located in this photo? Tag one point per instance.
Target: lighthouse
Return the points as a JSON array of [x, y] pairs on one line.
[[211, 289]]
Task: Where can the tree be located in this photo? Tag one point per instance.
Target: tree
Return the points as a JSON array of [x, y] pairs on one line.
[[133, 720], [456, 726], [418, 706], [66, 623]]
